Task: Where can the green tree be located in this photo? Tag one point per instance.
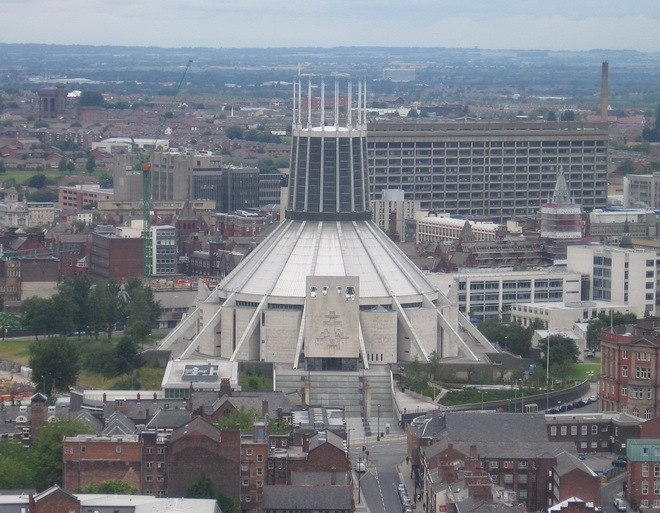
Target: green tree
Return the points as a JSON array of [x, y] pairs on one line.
[[201, 488], [43, 195], [111, 486], [106, 181], [47, 450], [3, 169], [234, 132], [99, 357], [54, 364], [568, 115], [61, 165], [62, 314], [36, 314], [227, 504], [99, 308], [91, 99], [242, 417], [126, 352], [15, 469], [78, 291], [562, 350], [142, 313], [513, 337], [90, 164], [37, 181], [626, 167], [70, 166]]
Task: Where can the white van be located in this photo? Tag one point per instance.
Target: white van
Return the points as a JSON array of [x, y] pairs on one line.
[[620, 504]]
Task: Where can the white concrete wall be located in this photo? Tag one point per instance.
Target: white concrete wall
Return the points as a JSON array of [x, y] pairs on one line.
[[379, 331], [280, 335]]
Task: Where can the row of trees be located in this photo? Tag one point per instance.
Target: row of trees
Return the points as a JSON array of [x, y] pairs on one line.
[[85, 306]]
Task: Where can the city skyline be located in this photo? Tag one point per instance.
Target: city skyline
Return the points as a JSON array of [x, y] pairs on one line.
[[519, 24]]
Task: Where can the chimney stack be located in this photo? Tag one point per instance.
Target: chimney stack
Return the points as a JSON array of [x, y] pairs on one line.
[[604, 91]]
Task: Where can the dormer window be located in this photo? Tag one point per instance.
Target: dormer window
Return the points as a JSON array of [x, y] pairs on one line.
[[325, 291], [312, 292]]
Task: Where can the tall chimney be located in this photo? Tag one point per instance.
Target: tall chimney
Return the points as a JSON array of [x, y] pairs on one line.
[[604, 91]]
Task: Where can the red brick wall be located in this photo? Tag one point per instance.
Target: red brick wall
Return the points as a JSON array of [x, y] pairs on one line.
[[323, 458], [194, 454], [579, 484], [56, 502], [99, 462]]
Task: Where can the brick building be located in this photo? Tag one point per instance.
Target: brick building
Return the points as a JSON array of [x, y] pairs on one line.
[[79, 197], [91, 459], [115, 258], [512, 450], [642, 487], [571, 477], [629, 378], [57, 500], [594, 432]]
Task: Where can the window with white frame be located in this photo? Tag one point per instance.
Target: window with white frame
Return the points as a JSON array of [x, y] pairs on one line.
[[573, 430], [563, 431], [594, 429], [645, 469], [553, 430], [583, 429], [624, 390], [643, 372], [645, 487], [624, 371], [643, 356]]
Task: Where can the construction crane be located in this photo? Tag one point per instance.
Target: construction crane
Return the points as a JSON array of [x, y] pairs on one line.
[[144, 166]]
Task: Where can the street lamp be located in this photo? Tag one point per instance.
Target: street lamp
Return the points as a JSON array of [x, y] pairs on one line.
[[378, 425], [547, 372], [43, 383]]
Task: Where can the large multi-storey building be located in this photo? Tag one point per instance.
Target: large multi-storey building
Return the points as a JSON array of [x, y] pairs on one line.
[[620, 275], [192, 176], [78, 197], [629, 378], [164, 253], [642, 191], [490, 170], [488, 294]]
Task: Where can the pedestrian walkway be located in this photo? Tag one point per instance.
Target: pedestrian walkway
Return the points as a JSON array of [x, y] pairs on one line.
[[404, 469]]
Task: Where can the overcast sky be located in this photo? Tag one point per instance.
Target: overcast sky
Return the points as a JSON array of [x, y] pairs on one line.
[[496, 24]]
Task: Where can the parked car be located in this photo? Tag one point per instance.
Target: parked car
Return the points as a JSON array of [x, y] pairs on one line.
[[619, 463], [582, 455]]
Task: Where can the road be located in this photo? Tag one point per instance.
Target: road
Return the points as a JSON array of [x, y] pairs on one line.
[[379, 482]]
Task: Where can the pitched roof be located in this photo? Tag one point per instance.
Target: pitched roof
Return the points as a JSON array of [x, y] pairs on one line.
[[294, 497], [199, 425]]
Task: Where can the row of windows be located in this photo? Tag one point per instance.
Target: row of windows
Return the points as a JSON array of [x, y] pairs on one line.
[[584, 430]]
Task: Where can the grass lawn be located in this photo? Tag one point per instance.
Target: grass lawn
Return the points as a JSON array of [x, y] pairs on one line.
[[22, 175], [150, 378], [15, 350], [581, 370]]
